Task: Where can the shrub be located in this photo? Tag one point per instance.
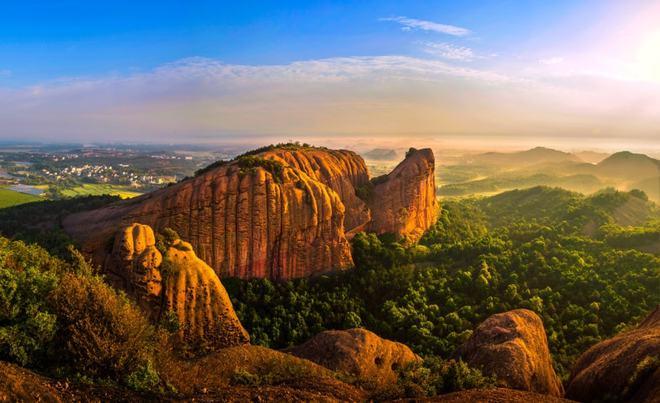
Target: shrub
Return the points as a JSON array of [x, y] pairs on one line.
[[100, 330], [27, 274], [434, 377], [144, 378]]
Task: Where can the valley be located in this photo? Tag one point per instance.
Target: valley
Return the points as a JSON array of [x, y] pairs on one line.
[[276, 254]]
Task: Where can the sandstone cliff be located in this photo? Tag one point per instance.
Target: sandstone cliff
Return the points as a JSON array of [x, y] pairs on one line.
[[404, 201], [343, 171], [258, 221], [178, 283], [280, 212], [513, 346], [624, 368], [358, 352]]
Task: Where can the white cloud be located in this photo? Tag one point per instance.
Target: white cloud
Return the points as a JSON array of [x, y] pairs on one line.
[[449, 51], [409, 24], [552, 61], [201, 99]]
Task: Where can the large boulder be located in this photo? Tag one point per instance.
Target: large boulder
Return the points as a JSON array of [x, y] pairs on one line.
[[194, 293], [625, 367], [357, 352], [177, 285], [404, 201], [513, 347]]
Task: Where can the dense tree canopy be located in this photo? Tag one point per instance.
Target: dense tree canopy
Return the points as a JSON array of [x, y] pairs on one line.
[[530, 249]]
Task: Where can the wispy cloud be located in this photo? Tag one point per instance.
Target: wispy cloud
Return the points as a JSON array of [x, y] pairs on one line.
[[449, 51], [552, 61], [5, 73], [201, 99], [412, 24]]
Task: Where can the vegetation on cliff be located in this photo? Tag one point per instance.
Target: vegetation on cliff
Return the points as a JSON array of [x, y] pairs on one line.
[[525, 249]]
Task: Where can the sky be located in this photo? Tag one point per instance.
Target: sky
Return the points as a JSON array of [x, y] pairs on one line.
[[571, 74]]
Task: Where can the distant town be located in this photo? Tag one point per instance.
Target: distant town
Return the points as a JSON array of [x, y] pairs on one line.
[[56, 172]]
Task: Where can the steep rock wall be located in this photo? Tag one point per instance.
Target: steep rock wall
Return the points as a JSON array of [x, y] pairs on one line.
[[244, 222], [404, 202]]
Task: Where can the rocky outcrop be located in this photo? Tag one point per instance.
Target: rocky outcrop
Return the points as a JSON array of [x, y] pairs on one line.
[[623, 368], [134, 266], [279, 212], [178, 283], [404, 201], [21, 385], [268, 221], [496, 395], [513, 347], [342, 170], [357, 352], [268, 375], [193, 292]]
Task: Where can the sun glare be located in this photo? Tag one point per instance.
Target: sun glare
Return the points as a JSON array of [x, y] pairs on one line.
[[648, 57]]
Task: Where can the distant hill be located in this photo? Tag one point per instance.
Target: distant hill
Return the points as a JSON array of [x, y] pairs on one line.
[[591, 157], [625, 164], [382, 154], [555, 205], [538, 155]]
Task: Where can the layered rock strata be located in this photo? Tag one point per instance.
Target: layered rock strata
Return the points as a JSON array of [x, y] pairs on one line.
[[280, 213]]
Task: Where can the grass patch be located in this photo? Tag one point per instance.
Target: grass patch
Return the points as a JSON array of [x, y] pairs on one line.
[[93, 189], [9, 198]]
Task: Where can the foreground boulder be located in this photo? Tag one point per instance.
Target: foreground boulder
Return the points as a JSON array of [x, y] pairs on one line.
[[624, 368], [254, 373], [20, 385], [359, 353], [513, 347], [497, 395], [404, 201], [279, 212], [178, 285]]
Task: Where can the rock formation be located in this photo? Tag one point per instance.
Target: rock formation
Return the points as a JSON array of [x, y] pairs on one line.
[[357, 352], [21, 385], [623, 368], [279, 213], [134, 265], [496, 395], [513, 347], [341, 170], [180, 283], [404, 201], [202, 306]]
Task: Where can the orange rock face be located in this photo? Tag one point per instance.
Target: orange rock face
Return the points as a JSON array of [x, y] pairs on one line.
[[282, 213], [178, 282], [513, 347], [357, 352], [193, 292], [134, 265], [404, 202], [343, 171], [625, 367]]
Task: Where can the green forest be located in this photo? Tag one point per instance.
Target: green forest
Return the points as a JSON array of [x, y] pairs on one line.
[[577, 261], [588, 265]]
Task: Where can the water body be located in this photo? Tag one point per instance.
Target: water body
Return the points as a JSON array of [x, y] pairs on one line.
[[26, 189]]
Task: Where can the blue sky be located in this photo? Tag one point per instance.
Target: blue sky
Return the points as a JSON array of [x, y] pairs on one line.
[[212, 70], [46, 39]]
